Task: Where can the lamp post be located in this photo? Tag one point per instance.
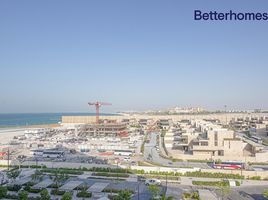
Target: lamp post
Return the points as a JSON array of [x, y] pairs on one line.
[[8, 157]]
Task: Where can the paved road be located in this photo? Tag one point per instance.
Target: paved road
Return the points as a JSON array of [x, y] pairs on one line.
[[248, 193], [151, 155]]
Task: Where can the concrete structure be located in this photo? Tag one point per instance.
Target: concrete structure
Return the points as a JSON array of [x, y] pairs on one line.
[[98, 187], [103, 130], [70, 186], [206, 194], [204, 140], [223, 117], [43, 184]]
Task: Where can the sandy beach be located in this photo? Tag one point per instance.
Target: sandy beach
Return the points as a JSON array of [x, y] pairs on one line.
[[8, 134]]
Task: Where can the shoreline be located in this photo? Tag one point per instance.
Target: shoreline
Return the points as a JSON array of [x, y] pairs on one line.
[[30, 126], [8, 133]]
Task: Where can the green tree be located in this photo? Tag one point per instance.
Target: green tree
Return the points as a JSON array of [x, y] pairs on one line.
[[23, 195], [265, 193], [13, 174], [3, 192], [44, 195], [123, 195], [155, 190], [67, 196]]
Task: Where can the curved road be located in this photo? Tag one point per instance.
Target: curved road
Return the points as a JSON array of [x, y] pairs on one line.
[[151, 155]]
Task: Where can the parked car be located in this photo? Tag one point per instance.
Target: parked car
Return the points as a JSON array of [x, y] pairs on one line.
[[152, 182], [127, 159]]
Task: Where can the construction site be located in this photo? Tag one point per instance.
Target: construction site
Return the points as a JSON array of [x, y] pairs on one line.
[[102, 127]]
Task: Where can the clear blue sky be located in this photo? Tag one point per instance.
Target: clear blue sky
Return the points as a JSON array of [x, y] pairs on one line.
[[55, 56]]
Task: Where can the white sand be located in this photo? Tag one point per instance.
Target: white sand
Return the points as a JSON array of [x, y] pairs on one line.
[[6, 135]]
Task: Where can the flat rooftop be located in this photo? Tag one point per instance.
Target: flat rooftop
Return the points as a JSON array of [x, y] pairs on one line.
[[70, 185], [98, 187], [43, 184]]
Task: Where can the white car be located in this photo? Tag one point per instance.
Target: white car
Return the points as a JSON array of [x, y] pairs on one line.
[[127, 159], [152, 182]]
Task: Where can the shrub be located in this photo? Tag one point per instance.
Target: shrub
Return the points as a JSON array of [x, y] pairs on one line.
[[213, 175], [110, 174], [67, 196], [33, 190], [3, 192], [193, 195], [237, 183], [211, 183], [255, 178], [112, 190], [84, 194], [63, 171], [29, 184], [14, 188], [57, 192], [54, 185]]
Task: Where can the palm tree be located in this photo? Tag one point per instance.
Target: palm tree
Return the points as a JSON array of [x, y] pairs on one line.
[[13, 174], [37, 176]]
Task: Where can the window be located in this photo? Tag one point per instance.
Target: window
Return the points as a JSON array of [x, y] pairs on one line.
[[216, 139]]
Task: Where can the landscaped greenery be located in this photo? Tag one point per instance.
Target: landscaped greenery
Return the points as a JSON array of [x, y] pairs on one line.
[[54, 185], [191, 196], [14, 188], [123, 195], [143, 143], [110, 174], [111, 190], [44, 195], [31, 190], [176, 160], [258, 163], [211, 183], [265, 193], [13, 173], [57, 192], [63, 171], [84, 194], [162, 177], [3, 192], [37, 176], [155, 190], [199, 161], [213, 175], [23, 195], [67, 196], [255, 178], [141, 163]]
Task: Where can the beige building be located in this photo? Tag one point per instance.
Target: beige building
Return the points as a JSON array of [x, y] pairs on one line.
[[205, 140]]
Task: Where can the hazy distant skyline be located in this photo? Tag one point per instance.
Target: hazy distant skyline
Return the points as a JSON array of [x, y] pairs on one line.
[[55, 56]]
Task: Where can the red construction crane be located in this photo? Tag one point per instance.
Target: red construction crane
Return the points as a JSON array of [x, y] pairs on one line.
[[98, 105]]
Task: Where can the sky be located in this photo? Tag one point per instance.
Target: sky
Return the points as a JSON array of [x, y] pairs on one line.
[[55, 56]]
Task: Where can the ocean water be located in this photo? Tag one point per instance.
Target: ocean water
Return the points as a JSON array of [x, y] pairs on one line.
[[15, 120]]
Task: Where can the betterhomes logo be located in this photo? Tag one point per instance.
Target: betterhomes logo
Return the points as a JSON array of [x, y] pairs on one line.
[[229, 16]]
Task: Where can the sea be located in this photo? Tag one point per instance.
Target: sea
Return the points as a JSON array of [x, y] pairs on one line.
[[28, 119]]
